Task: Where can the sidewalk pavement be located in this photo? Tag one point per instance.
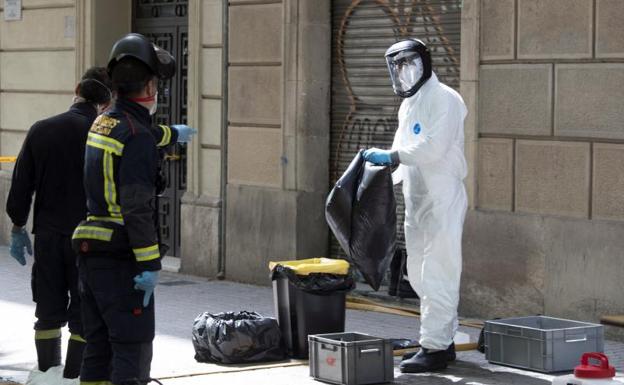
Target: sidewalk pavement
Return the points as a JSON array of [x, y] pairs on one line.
[[179, 299]]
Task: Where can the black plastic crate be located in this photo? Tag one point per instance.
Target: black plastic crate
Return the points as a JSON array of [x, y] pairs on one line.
[[351, 359]]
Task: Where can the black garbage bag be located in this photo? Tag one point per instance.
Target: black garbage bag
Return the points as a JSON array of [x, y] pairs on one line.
[[236, 338], [315, 283], [361, 212]]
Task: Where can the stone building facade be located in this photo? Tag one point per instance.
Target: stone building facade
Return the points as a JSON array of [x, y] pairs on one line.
[[546, 233]]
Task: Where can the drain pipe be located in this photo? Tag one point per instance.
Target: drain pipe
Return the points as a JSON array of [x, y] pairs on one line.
[[224, 138]]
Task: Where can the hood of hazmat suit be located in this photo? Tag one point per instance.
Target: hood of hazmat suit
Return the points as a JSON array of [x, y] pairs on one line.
[[361, 212], [430, 145]]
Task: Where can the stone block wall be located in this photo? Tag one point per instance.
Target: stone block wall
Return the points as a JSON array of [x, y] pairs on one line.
[[277, 134], [552, 84], [43, 38], [549, 164]]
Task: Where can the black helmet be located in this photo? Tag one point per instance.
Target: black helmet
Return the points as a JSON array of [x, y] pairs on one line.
[[412, 51], [138, 46]]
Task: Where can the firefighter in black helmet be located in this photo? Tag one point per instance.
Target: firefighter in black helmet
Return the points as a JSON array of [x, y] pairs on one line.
[[118, 246]]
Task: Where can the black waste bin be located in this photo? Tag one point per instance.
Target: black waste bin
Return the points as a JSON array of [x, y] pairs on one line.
[[311, 304]]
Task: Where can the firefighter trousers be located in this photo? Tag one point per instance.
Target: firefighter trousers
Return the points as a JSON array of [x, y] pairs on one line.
[[119, 331]]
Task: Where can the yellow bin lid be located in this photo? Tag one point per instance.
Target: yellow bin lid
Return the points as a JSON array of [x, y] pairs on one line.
[[315, 265]]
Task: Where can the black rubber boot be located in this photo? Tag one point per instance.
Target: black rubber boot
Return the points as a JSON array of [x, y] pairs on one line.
[[450, 354], [425, 361], [48, 348], [73, 361]]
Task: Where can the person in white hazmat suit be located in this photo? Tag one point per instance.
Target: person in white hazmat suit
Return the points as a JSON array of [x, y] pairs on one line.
[[429, 151]]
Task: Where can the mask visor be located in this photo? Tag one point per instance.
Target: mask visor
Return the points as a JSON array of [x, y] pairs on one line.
[[406, 69]]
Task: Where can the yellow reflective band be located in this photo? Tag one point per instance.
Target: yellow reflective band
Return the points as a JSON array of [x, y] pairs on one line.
[[47, 334], [76, 337], [105, 143], [105, 219], [166, 138], [146, 253], [110, 192], [93, 232]]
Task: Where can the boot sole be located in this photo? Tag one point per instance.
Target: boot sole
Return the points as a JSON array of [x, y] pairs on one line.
[[407, 356], [418, 369]]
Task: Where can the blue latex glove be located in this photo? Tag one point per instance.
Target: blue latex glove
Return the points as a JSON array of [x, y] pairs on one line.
[[19, 242], [185, 132], [146, 281], [378, 156]]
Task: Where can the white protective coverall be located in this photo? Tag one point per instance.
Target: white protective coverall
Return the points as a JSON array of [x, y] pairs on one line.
[[430, 145]]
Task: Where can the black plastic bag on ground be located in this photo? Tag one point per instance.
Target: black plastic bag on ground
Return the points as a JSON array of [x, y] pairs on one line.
[[361, 212], [236, 338], [315, 283]]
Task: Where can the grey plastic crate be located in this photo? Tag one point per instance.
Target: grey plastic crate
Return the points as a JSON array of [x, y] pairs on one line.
[[351, 359], [539, 343]]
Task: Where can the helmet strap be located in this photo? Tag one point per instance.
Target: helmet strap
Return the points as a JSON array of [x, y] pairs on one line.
[[146, 99]]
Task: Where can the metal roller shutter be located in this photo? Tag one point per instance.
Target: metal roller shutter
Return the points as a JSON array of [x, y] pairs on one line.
[[364, 108]]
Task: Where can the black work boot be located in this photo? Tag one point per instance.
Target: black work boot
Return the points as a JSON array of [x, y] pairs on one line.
[[424, 361], [75, 348], [48, 344], [450, 354]]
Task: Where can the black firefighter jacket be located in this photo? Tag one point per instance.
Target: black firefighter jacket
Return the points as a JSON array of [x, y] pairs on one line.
[[50, 165], [120, 176]]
